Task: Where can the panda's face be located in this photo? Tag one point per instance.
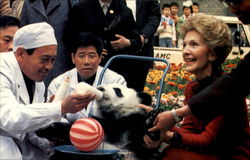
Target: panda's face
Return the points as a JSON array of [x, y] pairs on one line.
[[118, 99]]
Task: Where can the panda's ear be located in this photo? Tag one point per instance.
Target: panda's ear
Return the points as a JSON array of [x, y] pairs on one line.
[[145, 98]]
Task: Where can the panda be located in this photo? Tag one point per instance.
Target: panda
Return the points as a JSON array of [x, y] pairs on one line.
[[124, 122]]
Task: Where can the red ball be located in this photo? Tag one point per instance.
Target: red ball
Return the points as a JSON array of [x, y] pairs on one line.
[[86, 134]]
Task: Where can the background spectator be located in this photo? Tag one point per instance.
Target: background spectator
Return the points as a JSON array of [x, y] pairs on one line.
[[147, 17], [86, 56], [195, 8], [174, 7], [166, 30], [187, 12], [117, 28], [8, 27]]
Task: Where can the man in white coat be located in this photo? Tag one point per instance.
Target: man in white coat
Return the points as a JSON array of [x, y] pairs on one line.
[[86, 55], [22, 110]]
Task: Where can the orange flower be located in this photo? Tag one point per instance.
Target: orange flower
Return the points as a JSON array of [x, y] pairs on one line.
[[151, 82], [146, 89], [164, 66], [173, 78], [161, 66], [174, 93], [188, 73], [181, 86], [171, 83], [174, 74], [180, 64], [230, 65], [186, 77]]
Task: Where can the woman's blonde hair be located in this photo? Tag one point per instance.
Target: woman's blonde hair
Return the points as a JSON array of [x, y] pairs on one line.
[[215, 32]]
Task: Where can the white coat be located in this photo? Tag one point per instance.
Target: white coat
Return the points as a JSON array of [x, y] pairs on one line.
[[109, 77], [19, 118]]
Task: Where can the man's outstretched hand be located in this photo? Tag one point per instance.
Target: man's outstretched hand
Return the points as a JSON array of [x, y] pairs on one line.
[[76, 102]]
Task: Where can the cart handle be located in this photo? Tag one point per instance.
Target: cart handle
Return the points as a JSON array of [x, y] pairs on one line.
[[139, 58]]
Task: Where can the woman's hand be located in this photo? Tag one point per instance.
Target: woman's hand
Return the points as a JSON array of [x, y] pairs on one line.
[[163, 121]]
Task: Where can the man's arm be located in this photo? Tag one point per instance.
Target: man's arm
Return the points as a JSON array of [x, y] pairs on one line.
[[17, 118], [152, 20]]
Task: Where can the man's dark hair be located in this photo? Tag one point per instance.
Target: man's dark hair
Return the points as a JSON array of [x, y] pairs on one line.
[[196, 4], [9, 21], [30, 51], [86, 39], [174, 4], [190, 7], [165, 5]]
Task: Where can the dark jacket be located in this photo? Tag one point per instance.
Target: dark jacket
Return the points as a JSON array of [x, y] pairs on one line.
[[221, 95], [147, 20], [88, 16], [148, 17]]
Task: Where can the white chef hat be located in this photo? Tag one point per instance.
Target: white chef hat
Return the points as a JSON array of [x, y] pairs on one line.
[[34, 36]]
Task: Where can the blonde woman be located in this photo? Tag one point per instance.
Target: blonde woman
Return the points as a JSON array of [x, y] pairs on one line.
[[207, 43]]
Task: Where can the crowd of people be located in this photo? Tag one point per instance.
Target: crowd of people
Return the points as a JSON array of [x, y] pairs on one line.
[[44, 42], [168, 30]]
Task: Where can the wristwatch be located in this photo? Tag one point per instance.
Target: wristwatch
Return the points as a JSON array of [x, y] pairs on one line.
[[176, 117]]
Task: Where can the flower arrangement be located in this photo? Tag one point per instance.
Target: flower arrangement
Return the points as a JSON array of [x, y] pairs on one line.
[[229, 64], [175, 82]]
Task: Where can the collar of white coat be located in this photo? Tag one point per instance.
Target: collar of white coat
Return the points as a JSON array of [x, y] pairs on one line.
[[21, 86], [74, 79]]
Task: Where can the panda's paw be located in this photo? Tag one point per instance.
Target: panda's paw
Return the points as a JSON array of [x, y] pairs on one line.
[[154, 135], [151, 117], [149, 123]]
